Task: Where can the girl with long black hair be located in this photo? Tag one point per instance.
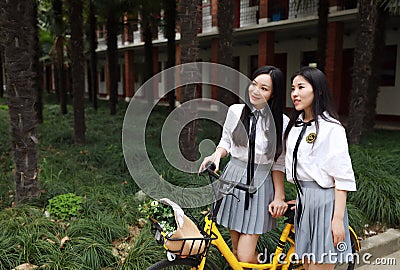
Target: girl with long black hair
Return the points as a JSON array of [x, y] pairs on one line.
[[318, 162], [248, 136]]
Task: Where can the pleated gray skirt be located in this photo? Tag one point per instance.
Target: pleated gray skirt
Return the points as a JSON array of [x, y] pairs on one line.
[[233, 215], [314, 240]]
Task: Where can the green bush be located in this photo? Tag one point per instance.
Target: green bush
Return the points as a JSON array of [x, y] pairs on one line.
[[65, 206], [377, 169]]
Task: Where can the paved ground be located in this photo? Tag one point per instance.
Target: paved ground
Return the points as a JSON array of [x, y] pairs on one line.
[[380, 252], [389, 262]]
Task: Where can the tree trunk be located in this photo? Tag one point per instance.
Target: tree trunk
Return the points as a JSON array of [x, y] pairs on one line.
[[112, 58], [323, 12], [92, 53], [190, 15], [88, 80], [225, 41], [61, 91], [148, 50], [77, 68], [376, 67], [19, 37], [363, 68], [170, 19], [1, 73], [39, 68]]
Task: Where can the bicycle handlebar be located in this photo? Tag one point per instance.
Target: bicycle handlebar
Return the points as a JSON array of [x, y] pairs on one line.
[[248, 188], [210, 167]]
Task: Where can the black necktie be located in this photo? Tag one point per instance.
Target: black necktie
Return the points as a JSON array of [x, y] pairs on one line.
[[250, 162], [304, 125]]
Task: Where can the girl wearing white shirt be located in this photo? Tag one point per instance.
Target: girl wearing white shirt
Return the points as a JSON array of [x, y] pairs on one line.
[[318, 162], [247, 216]]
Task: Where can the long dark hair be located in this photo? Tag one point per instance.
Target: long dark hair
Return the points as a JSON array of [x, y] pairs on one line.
[[322, 98], [240, 134]]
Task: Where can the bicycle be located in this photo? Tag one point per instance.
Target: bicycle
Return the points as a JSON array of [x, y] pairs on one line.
[[193, 252]]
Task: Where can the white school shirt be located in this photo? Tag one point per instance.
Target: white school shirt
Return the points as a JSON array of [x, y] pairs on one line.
[[240, 152], [326, 161]]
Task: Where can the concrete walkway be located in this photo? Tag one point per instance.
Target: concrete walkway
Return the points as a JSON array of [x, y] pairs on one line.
[[389, 262], [380, 252]]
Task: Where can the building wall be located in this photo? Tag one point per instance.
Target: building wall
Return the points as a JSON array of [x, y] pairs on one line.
[[291, 45], [389, 96]]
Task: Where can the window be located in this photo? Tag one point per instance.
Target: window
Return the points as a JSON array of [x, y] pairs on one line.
[[102, 74], [278, 10], [253, 3], [309, 59], [388, 75]]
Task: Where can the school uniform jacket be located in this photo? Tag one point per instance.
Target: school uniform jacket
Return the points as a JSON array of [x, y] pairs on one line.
[[326, 160], [261, 143]]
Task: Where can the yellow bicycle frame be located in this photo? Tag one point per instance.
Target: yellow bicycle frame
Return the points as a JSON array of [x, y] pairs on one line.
[[211, 229], [218, 241]]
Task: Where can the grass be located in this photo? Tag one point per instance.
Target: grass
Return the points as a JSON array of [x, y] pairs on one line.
[[106, 235]]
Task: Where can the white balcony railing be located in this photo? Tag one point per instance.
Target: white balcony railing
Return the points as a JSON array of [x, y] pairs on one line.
[[305, 9]]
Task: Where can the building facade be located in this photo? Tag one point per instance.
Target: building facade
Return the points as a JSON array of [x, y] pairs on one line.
[[271, 32]]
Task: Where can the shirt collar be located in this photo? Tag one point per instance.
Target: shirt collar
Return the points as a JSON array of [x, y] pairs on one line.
[[262, 112]]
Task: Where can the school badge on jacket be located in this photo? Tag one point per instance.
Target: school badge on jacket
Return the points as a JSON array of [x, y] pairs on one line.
[[311, 137]]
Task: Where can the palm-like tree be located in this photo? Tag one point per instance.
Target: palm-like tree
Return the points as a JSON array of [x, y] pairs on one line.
[[323, 12], [367, 65], [113, 17], [19, 39], [91, 35], [111, 12], [225, 20], [170, 24], [58, 29], [77, 65], [189, 19], [1, 73], [149, 13]]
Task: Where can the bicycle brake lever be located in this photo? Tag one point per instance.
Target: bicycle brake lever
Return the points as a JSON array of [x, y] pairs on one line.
[[232, 194]]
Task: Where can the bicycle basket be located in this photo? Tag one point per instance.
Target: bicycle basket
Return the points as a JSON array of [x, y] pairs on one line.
[[187, 240]]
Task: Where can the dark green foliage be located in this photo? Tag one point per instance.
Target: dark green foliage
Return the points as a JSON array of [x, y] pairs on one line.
[[377, 169], [104, 234], [144, 251]]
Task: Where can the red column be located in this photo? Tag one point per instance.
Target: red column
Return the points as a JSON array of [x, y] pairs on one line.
[[129, 74], [263, 7], [214, 12], [128, 32], [266, 48], [236, 12], [334, 60]]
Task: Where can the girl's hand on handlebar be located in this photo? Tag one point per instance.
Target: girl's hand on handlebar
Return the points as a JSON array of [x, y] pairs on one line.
[[208, 159], [277, 208]]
